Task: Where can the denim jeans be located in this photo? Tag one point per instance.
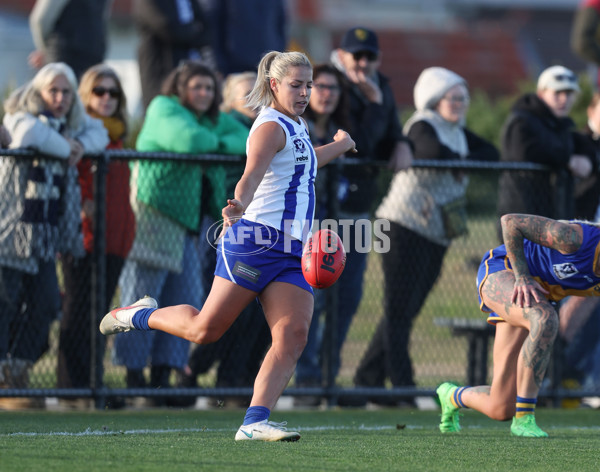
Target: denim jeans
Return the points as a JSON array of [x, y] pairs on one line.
[[28, 305], [74, 348], [136, 349]]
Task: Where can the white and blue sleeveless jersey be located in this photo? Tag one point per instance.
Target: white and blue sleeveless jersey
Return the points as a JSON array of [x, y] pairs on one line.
[[285, 198]]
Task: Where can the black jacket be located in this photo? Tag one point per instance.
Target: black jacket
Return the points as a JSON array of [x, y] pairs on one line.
[[532, 133], [164, 40], [375, 129], [79, 35], [587, 191], [427, 145]]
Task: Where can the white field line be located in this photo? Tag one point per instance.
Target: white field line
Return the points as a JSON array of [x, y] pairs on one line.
[[107, 432]]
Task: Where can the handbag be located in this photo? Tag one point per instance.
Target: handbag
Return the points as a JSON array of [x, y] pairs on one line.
[[454, 216], [159, 240]]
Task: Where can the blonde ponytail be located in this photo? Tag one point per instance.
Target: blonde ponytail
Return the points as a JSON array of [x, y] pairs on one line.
[[273, 65]]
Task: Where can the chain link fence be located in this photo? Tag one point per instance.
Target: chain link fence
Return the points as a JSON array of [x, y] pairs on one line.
[[446, 339]]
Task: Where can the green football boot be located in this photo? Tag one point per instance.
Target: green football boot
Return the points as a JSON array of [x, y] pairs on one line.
[[526, 427], [450, 416]]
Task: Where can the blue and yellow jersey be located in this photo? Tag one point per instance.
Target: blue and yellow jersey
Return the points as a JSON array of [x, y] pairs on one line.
[[561, 274]]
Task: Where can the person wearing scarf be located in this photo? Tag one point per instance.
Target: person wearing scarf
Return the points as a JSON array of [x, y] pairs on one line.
[[425, 209], [170, 199], [102, 95], [40, 210]]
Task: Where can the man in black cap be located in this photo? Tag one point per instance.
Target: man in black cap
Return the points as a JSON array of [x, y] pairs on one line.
[[372, 103], [378, 135]]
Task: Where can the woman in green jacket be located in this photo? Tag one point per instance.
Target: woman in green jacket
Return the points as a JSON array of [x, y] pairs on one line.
[[167, 196], [236, 367]]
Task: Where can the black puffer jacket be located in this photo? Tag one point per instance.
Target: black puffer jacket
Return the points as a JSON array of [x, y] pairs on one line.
[[532, 133]]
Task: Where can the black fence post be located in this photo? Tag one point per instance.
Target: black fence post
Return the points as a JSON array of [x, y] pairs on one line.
[[98, 288], [330, 336], [565, 195], [565, 210]]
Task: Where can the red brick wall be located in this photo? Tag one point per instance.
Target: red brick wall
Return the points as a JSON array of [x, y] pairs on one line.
[[487, 58], [119, 7], [17, 5]]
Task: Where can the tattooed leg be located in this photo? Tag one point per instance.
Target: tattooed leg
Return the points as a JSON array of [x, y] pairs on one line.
[[537, 349], [522, 349]]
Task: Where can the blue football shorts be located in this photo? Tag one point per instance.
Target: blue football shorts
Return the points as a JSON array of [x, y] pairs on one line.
[[495, 260], [253, 255]]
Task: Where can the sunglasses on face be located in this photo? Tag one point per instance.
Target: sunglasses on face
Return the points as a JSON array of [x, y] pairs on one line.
[[369, 55], [330, 88], [101, 91], [565, 77]]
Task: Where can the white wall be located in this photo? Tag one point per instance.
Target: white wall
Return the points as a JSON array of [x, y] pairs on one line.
[[15, 46], [121, 55]]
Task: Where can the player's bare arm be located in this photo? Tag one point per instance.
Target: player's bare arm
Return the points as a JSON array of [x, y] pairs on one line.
[[561, 236], [342, 143], [264, 143]]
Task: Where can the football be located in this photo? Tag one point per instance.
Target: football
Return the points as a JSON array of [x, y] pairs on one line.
[[323, 259]]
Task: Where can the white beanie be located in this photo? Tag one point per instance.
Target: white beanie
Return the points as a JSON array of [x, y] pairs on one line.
[[432, 85]]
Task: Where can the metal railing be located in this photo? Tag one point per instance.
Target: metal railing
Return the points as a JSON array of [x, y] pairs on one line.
[[330, 390]]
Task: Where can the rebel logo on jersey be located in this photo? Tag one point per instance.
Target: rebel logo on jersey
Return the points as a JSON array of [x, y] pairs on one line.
[[300, 151]]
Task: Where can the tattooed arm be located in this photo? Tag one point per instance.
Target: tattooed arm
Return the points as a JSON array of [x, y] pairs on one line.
[[563, 237]]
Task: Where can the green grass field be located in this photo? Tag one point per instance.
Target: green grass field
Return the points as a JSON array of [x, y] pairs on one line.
[[333, 440]]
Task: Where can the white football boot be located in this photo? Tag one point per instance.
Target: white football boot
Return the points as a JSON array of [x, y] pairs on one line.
[[266, 431], [119, 319]]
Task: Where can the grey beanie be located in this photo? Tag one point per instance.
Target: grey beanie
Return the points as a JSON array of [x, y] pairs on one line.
[[432, 85]]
